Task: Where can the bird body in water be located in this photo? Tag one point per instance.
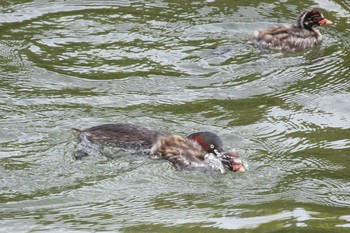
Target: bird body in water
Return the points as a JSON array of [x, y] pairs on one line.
[[299, 36], [201, 150]]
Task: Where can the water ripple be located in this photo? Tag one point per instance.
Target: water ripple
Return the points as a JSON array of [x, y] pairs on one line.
[[181, 67]]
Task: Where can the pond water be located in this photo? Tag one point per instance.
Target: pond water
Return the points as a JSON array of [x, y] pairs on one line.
[[178, 66]]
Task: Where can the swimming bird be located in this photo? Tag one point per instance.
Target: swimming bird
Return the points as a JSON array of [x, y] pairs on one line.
[[198, 151], [301, 35]]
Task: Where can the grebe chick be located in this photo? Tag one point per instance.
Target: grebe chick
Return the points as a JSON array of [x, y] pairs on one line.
[[299, 36]]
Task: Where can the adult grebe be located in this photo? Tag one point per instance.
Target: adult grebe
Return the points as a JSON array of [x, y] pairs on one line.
[[202, 150]]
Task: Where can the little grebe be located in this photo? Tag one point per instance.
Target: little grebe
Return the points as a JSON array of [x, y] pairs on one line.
[[302, 35], [202, 150]]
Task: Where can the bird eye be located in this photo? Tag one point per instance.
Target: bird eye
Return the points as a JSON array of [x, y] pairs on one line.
[[212, 146]]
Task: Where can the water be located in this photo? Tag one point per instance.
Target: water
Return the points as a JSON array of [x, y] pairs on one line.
[[181, 67]]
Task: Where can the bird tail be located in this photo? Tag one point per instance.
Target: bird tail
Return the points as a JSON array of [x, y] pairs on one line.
[[76, 129]]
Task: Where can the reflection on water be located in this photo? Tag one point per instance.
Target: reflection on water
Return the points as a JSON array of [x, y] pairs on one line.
[[179, 67]]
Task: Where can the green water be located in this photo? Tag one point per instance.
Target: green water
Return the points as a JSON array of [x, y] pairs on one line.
[[179, 66]]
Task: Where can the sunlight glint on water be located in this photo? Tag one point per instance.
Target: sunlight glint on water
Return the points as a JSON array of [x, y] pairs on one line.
[[179, 67]]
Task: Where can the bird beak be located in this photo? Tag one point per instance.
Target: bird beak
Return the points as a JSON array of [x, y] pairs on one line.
[[325, 22]]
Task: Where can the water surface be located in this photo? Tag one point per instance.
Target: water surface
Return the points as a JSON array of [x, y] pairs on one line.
[[181, 67]]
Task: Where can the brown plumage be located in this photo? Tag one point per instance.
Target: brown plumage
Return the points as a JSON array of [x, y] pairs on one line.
[[202, 150], [178, 150], [302, 35], [126, 136]]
